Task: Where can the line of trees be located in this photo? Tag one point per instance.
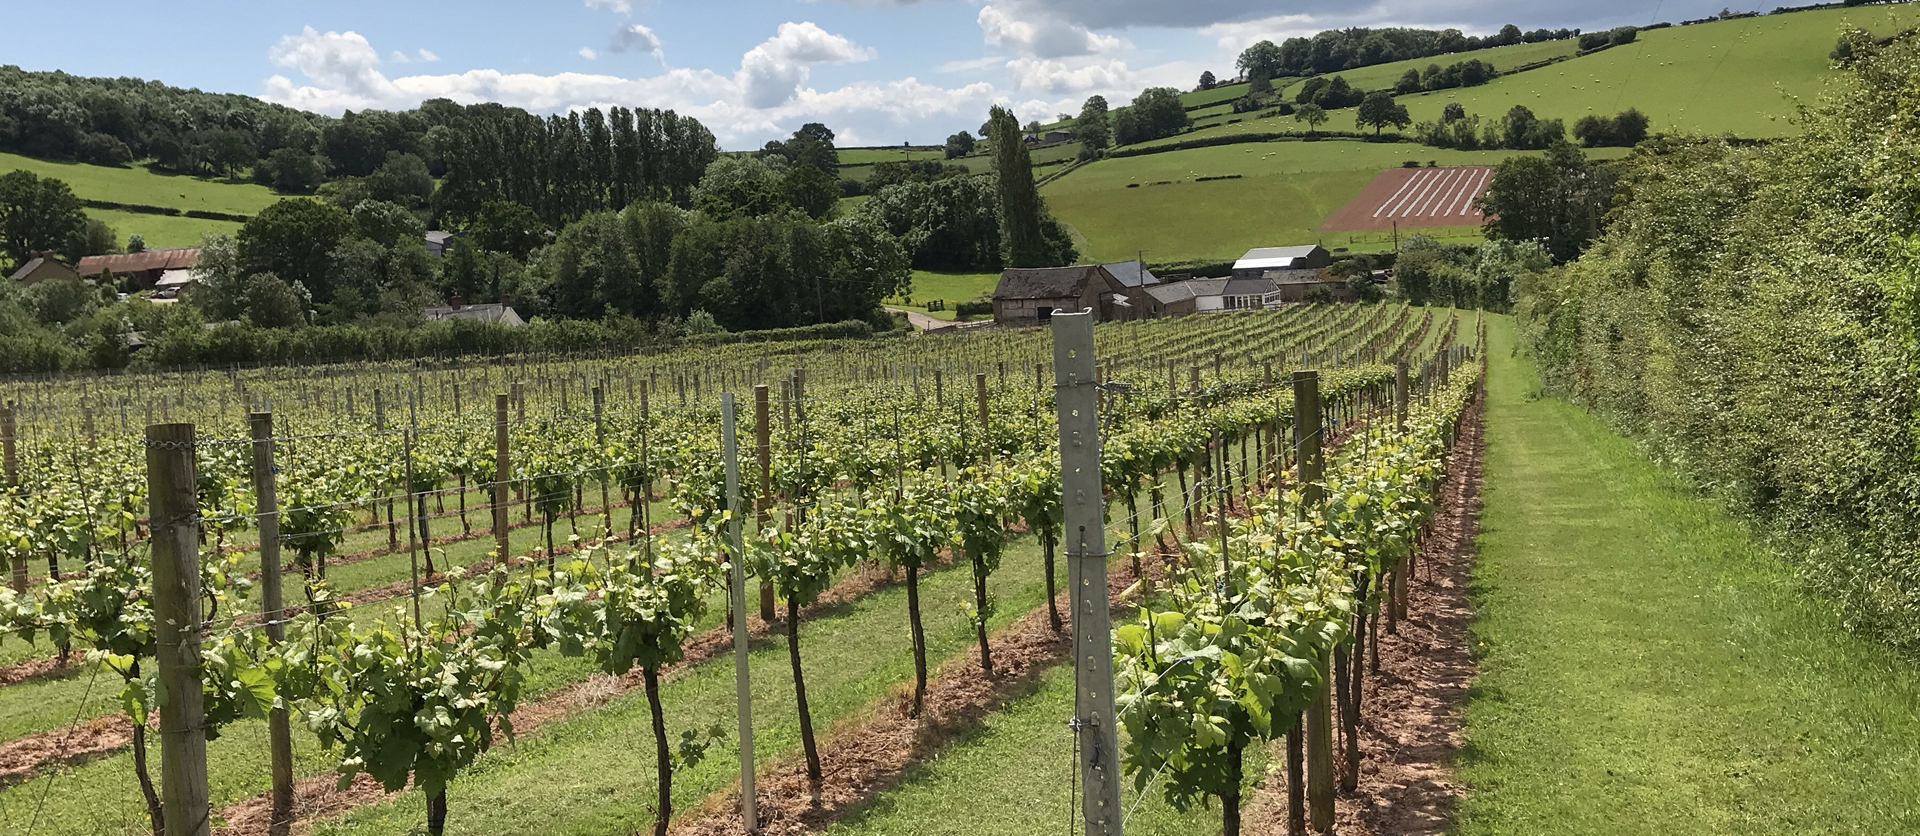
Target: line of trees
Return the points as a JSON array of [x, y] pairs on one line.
[[1335, 50], [1520, 129]]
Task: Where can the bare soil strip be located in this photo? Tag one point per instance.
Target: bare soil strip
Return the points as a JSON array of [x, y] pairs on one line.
[[1414, 197]]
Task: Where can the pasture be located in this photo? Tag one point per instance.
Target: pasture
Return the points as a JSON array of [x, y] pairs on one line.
[[140, 186], [161, 230], [1284, 192]]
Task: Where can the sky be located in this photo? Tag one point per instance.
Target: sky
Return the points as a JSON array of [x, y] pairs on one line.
[[878, 72]]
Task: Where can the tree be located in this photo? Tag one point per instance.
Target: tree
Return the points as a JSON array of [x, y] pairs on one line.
[[503, 226], [1380, 111], [1409, 83], [1207, 81], [39, 215], [294, 239], [1019, 200], [1454, 111], [290, 171], [1557, 199], [402, 179], [136, 243], [810, 190], [739, 186], [1156, 113], [1262, 60], [272, 303], [98, 239], [1312, 114], [1259, 87], [959, 145], [1092, 129]]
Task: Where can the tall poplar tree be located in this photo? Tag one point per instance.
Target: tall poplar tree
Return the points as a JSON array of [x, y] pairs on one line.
[[1019, 199]]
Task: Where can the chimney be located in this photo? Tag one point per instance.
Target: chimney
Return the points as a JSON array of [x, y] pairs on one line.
[[456, 302]]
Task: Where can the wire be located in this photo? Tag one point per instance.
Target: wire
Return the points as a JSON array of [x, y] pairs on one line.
[[71, 727]]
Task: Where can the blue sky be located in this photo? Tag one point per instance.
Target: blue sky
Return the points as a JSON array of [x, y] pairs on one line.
[[876, 71]]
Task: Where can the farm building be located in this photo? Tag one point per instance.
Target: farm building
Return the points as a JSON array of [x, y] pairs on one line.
[[1235, 294], [1301, 285], [1169, 299], [141, 270], [438, 242], [493, 313], [1030, 296], [1132, 274], [40, 268], [1258, 261]]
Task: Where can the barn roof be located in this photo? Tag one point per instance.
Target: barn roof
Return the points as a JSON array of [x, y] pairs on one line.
[[1132, 274], [1167, 294], [1274, 258], [1046, 282], [175, 258]]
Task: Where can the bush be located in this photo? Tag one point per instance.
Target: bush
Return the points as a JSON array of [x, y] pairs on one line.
[[966, 310]]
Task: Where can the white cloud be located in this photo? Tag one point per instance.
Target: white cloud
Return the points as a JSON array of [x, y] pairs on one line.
[[427, 55], [397, 57], [341, 62], [621, 6], [771, 74], [588, 53], [971, 65], [637, 38], [1039, 34], [1058, 77], [765, 99]]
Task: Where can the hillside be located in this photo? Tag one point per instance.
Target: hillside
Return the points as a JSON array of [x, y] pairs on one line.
[[1739, 77], [143, 187]]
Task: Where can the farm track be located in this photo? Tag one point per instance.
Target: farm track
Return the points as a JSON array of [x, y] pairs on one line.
[[1411, 733]]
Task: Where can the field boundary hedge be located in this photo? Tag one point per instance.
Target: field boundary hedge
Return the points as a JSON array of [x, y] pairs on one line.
[[171, 211]]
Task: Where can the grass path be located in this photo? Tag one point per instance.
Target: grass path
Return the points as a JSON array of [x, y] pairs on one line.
[[1646, 667]]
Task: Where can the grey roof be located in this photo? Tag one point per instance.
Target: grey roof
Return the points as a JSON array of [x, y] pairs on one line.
[[27, 269], [439, 237], [1248, 287], [1132, 274], [1268, 258], [1295, 276], [1206, 287], [494, 312], [1046, 282], [1167, 294]]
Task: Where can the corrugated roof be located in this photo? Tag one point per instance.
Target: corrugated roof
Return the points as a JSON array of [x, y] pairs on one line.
[[1132, 274], [1296, 276], [175, 258], [175, 278], [1045, 282], [1269, 258]]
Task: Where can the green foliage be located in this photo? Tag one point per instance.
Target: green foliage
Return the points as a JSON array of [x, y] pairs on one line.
[[39, 215], [1019, 200], [1559, 200], [959, 145], [1093, 130], [1381, 111], [1749, 315], [1154, 114], [295, 239]]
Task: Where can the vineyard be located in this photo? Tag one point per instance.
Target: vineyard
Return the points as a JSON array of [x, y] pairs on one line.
[[494, 598]]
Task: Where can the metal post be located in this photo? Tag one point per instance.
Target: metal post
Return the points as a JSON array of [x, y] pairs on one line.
[[176, 625], [743, 691], [1319, 719], [1094, 722], [272, 610]]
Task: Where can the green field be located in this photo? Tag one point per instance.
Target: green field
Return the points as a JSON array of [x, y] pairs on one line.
[[1647, 667], [869, 156], [951, 287], [161, 230], [1741, 77], [138, 185], [1286, 190]]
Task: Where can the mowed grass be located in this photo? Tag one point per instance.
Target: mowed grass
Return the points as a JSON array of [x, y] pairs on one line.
[[1286, 190], [138, 185], [1647, 667], [162, 230], [953, 288]]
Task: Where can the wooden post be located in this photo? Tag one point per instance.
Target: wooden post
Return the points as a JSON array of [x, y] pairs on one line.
[[176, 624], [939, 388], [980, 391], [1319, 719], [273, 613], [763, 451], [502, 473], [379, 411], [11, 456], [600, 439]]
